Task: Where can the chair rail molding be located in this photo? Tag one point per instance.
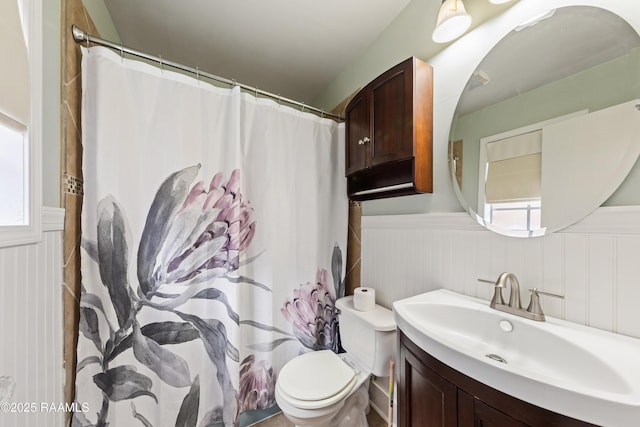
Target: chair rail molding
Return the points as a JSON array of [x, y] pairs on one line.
[[52, 219], [613, 220]]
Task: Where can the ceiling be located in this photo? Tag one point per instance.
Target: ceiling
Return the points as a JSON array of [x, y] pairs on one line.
[[292, 48], [296, 48]]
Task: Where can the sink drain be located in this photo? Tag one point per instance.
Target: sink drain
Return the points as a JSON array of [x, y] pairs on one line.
[[496, 358]]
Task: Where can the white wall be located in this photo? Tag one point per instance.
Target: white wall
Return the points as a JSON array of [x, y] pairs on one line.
[[594, 263], [99, 13], [31, 325]]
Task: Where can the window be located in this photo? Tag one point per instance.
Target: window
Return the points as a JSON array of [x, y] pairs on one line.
[[14, 168], [517, 216], [512, 181], [20, 122]]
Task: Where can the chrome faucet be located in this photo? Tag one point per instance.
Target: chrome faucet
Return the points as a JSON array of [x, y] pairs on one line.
[[533, 311]]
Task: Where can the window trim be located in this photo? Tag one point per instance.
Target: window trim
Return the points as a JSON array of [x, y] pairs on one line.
[[31, 233]]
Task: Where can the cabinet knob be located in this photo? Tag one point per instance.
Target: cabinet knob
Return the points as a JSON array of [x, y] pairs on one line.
[[360, 142], [366, 139]]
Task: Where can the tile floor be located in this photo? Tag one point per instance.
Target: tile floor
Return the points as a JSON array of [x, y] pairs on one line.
[[280, 420]]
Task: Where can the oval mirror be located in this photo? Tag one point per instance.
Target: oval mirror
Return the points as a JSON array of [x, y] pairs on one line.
[[548, 125]]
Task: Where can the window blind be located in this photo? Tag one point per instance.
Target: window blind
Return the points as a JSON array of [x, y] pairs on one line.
[[514, 168]]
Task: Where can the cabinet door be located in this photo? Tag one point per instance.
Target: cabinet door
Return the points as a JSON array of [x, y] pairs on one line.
[[472, 412], [425, 398], [392, 123], [357, 133], [487, 416]]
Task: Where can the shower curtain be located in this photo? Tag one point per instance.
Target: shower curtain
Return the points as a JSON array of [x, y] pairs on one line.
[[213, 235]]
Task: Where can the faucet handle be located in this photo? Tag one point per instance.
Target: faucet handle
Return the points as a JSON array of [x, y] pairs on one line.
[[534, 305], [549, 294], [492, 282], [497, 291]]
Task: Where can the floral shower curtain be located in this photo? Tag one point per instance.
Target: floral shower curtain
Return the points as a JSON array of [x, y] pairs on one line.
[[213, 236]]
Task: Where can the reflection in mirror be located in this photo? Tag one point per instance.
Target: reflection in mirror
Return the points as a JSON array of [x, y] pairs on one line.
[[547, 127], [511, 185]]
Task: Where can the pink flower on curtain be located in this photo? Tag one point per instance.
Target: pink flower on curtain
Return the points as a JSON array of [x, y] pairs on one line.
[[257, 384], [311, 312], [208, 233]]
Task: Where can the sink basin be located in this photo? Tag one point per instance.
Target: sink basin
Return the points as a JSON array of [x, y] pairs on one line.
[[574, 370]]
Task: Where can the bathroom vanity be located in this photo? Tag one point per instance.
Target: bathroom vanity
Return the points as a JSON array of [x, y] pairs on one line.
[[430, 393], [463, 363], [461, 360]]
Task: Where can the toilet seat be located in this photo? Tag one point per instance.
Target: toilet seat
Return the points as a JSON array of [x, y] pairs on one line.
[[316, 380]]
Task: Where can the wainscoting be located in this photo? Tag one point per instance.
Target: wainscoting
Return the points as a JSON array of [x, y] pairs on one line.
[[595, 264], [31, 327]]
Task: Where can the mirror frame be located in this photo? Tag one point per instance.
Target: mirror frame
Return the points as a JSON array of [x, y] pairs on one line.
[[459, 61]]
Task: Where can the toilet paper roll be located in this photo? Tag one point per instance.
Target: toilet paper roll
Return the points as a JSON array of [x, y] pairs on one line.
[[364, 299]]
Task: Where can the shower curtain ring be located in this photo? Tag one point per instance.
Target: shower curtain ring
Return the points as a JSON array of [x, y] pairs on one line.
[[88, 36], [302, 105], [161, 64], [197, 74], [255, 88], [121, 52]]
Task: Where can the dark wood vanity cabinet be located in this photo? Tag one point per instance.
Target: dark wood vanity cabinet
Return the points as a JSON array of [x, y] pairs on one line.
[[389, 134], [431, 394], [425, 397]]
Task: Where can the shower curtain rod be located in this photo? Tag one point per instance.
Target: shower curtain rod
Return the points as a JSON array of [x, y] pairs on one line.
[[81, 36]]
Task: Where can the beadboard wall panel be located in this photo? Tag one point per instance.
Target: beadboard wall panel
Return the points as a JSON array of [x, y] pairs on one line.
[[628, 286], [594, 263], [31, 327]]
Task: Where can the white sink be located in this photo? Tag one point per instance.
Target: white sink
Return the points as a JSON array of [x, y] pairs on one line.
[[578, 371]]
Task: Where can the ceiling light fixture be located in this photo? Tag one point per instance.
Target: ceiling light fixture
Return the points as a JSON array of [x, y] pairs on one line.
[[453, 21], [498, 1], [478, 78]]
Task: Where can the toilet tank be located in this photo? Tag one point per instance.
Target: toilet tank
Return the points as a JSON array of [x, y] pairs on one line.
[[369, 337]]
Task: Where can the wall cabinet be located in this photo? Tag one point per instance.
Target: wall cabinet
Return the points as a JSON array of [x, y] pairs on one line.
[[389, 134], [432, 394]]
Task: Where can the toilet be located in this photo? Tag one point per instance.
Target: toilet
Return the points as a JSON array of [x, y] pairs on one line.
[[322, 388]]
